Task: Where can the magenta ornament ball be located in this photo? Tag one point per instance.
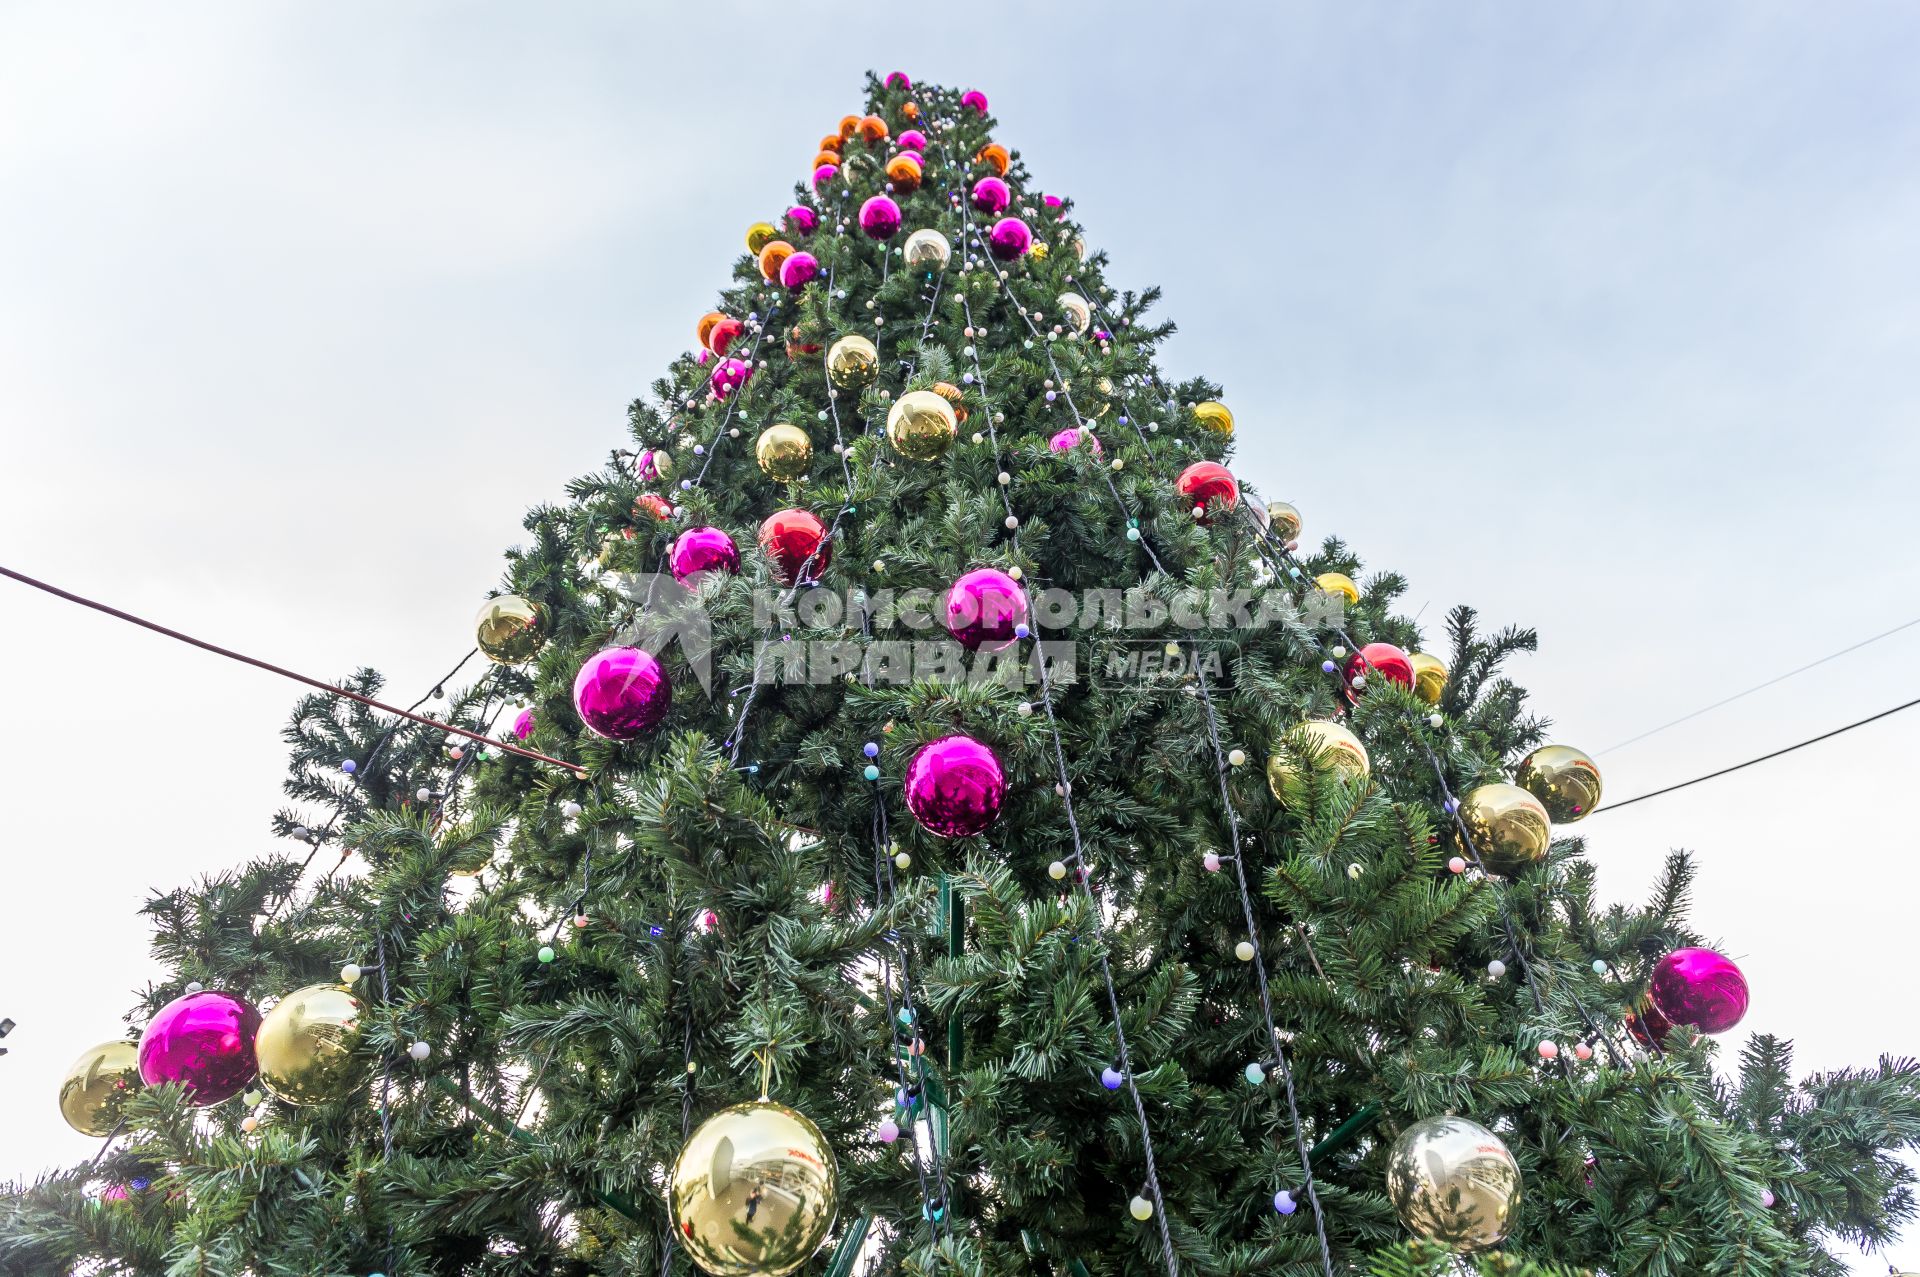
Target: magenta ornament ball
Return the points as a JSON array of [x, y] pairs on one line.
[[898, 80], [975, 99], [728, 376], [1701, 988], [799, 270], [913, 140], [1069, 439], [523, 725], [802, 220], [204, 1041], [700, 550], [955, 786], [879, 217], [823, 175], [983, 609], [1051, 201], [622, 693], [1009, 238], [991, 195]]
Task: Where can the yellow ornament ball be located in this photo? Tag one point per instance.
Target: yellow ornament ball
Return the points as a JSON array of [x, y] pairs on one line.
[[784, 452], [1453, 1182], [759, 235], [305, 1044], [1215, 416], [852, 363], [754, 1191], [510, 629], [1337, 583], [1564, 780], [1039, 250], [921, 425], [95, 1083], [1509, 828], [1330, 743], [1429, 677]]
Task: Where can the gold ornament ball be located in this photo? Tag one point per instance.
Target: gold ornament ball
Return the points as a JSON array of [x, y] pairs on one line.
[[754, 1191], [1454, 1182], [927, 249], [784, 452], [1039, 250], [305, 1044], [1564, 780], [759, 235], [1074, 307], [1283, 520], [1429, 677], [1509, 827], [852, 363], [510, 629], [1215, 416], [95, 1083], [921, 425], [1337, 583], [1331, 743]]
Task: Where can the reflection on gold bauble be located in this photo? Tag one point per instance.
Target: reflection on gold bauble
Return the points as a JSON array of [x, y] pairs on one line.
[[784, 452], [510, 629], [1564, 780], [1509, 827], [305, 1044], [852, 363], [951, 393], [1429, 677], [1331, 743], [1453, 1182], [759, 235], [921, 425], [754, 1191], [1336, 583], [927, 249], [1076, 311], [1215, 416], [1283, 521], [94, 1084]]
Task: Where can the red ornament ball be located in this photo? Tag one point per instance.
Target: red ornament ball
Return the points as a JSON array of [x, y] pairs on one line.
[[792, 537], [725, 331], [1385, 660], [1205, 482]]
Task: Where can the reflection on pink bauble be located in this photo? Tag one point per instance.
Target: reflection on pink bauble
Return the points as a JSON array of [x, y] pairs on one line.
[[622, 693], [802, 220], [799, 270], [955, 786], [976, 99], [1385, 660], [1069, 439], [523, 725], [991, 195], [823, 175], [983, 609], [700, 550], [880, 217], [1009, 238], [913, 140], [1701, 988], [204, 1041], [728, 376]]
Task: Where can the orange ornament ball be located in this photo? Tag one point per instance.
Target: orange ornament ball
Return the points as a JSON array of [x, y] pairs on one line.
[[832, 142], [910, 109], [874, 130], [849, 125], [951, 393], [995, 157], [704, 329], [772, 257], [904, 172], [654, 506]]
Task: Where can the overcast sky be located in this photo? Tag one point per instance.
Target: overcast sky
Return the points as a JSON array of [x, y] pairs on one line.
[[1599, 317]]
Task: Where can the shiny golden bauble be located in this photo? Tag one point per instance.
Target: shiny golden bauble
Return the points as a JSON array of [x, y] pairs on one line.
[[784, 452], [852, 363], [754, 1191], [1039, 250], [1429, 677], [1284, 521], [1509, 828], [1330, 743], [1079, 247], [922, 425], [1076, 310], [1337, 583], [1564, 780], [1454, 1182], [305, 1044], [1215, 416], [510, 629], [951, 393], [91, 1091], [927, 249], [759, 235]]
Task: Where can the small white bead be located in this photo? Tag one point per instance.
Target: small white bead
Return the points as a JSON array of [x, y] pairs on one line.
[[1354, 871], [1025, 708], [1012, 522], [570, 809], [194, 986], [903, 860], [249, 1123], [1496, 968], [350, 973], [1003, 478], [1244, 951], [423, 794], [1434, 721], [419, 1051], [1057, 870], [1016, 573]]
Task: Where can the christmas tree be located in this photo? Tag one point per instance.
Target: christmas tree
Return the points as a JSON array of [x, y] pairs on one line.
[[925, 812]]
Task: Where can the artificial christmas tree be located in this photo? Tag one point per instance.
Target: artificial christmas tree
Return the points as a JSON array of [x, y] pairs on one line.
[[1062, 874]]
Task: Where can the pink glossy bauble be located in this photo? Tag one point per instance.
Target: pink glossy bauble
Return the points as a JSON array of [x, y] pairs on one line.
[[898, 80], [650, 464], [880, 217], [1009, 239], [1205, 482], [991, 195], [822, 175], [799, 270], [700, 550], [203, 1041], [955, 786], [984, 608], [622, 693], [1385, 660], [1052, 201], [728, 376], [913, 140], [523, 725], [792, 537], [1701, 988], [1069, 439], [975, 100], [802, 220]]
